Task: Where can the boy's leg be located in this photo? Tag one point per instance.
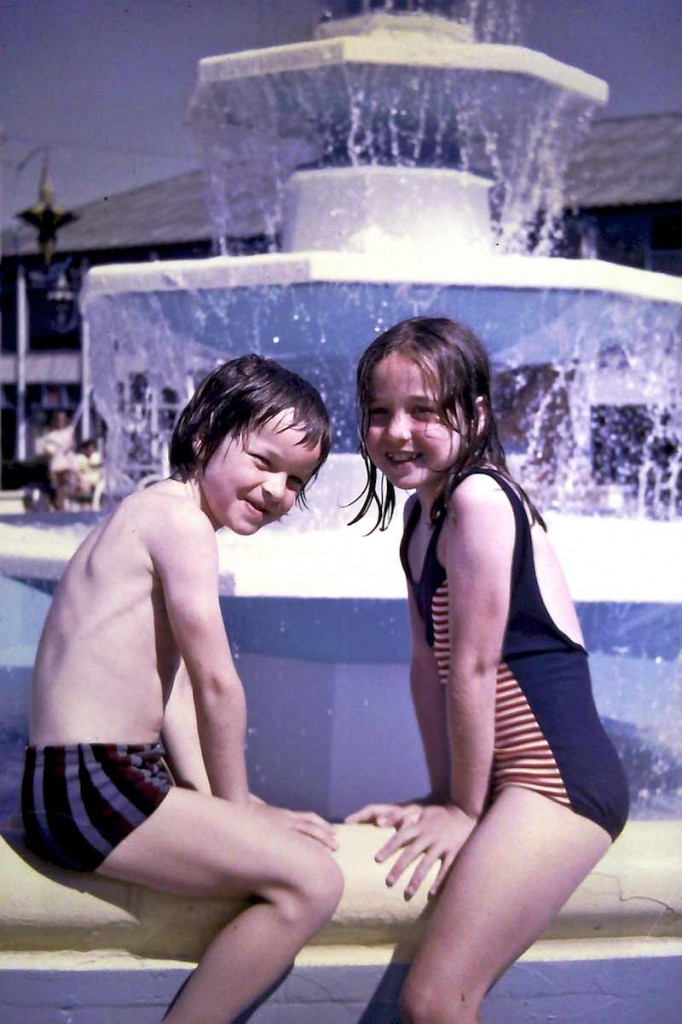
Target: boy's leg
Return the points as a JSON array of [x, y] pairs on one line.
[[516, 871], [197, 845]]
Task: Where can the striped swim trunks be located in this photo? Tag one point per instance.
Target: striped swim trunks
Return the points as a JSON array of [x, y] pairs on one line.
[[79, 802]]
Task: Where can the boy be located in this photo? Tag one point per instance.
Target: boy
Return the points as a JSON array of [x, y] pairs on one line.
[[134, 647]]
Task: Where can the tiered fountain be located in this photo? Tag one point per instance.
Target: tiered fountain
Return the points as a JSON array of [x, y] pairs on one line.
[[395, 166]]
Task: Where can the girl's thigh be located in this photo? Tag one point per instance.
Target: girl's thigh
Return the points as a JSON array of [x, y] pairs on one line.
[[197, 845], [516, 871]]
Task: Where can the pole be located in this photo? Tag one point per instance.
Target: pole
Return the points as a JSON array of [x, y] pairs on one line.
[[22, 350], [86, 381]]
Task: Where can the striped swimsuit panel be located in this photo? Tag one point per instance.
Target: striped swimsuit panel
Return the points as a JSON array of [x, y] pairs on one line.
[[522, 755], [79, 802], [548, 735]]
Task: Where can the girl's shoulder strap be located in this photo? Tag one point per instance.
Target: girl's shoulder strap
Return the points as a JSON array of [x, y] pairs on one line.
[[412, 518], [522, 541], [499, 478]]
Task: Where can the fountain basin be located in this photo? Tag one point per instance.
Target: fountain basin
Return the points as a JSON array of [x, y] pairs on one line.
[[318, 625], [317, 311]]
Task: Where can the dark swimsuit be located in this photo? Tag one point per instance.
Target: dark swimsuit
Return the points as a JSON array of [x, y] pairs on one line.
[[548, 735], [79, 802]]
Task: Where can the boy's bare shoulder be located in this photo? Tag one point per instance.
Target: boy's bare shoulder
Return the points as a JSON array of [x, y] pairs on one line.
[[164, 517]]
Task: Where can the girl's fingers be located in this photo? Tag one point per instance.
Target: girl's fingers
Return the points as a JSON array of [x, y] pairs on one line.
[[358, 817], [372, 812], [392, 817], [437, 884], [407, 857], [401, 837], [420, 873]]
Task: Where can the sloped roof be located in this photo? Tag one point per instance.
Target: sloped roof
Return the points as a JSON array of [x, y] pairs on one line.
[[624, 162], [173, 210], [628, 161]]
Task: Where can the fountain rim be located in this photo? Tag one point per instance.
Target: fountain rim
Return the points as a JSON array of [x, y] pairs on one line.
[[404, 49], [372, 560], [536, 273]]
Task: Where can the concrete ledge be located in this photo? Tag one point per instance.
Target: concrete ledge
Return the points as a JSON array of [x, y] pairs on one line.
[[101, 952], [12, 503], [633, 892]]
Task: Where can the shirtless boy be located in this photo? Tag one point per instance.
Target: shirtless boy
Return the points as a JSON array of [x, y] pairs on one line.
[[134, 672]]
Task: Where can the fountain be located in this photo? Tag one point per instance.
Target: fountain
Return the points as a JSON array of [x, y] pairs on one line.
[[396, 166], [392, 167]]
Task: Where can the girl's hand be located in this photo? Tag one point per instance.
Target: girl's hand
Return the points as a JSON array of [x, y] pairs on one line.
[[306, 822], [437, 834], [385, 815]]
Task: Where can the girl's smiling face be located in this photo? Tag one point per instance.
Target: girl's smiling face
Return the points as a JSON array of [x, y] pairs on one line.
[[406, 437]]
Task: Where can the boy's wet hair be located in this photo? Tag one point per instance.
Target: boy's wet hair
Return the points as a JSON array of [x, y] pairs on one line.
[[457, 369], [239, 397]]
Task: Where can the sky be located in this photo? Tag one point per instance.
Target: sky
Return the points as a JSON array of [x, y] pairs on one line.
[[104, 84]]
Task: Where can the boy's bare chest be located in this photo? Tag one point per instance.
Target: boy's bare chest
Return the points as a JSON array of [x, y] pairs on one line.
[[166, 648]]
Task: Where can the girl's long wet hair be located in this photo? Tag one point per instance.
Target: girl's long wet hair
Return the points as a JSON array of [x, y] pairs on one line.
[[456, 368], [241, 396]]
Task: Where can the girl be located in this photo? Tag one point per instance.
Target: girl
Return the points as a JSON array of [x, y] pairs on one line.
[[527, 792]]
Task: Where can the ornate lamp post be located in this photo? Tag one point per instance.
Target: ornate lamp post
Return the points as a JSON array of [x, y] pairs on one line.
[[48, 219]]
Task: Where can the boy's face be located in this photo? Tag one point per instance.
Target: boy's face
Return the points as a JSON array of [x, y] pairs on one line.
[[249, 483]]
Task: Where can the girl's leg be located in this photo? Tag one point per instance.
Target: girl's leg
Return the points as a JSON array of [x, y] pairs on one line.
[[196, 845], [516, 871]]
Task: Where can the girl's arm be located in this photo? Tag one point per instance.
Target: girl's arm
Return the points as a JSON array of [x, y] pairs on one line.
[[429, 701], [479, 544], [478, 547]]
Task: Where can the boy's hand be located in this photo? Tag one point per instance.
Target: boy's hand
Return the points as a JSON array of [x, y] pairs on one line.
[[306, 822]]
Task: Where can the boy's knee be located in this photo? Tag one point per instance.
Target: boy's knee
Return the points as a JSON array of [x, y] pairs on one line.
[[313, 893], [324, 886]]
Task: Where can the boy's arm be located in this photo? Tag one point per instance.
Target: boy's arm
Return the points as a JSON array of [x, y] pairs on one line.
[[185, 555], [181, 735]]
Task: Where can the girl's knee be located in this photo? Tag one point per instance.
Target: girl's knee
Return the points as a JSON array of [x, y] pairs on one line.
[[424, 1004]]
